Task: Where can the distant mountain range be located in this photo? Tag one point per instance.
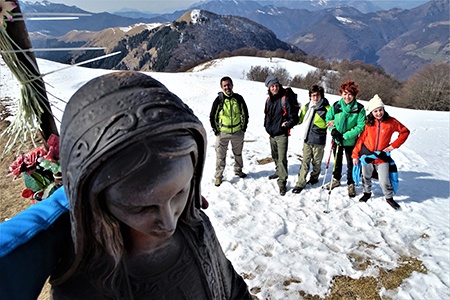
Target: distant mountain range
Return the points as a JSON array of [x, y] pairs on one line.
[[394, 39], [197, 35], [361, 5], [399, 40], [96, 22]]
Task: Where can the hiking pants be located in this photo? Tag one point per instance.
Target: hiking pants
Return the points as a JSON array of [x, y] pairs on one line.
[[311, 154], [278, 148], [337, 174], [383, 178], [237, 143]]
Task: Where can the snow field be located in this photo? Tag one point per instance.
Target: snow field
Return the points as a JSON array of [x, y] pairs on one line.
[[273, 240]]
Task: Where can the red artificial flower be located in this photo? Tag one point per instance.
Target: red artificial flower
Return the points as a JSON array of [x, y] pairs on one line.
[[53, 148], [30, 159], [17, 167], [26, 163], [27, 193]]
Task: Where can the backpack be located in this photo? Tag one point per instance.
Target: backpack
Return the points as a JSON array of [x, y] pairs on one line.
[[283, 101]]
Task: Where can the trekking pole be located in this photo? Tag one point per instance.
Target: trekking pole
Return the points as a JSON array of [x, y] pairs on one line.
[[326, 170], [331, 182]]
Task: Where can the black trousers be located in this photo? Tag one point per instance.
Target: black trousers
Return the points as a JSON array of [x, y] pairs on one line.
[[337, 174]]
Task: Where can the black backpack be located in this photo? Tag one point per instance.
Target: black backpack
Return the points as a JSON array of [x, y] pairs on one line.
[[283, 101]]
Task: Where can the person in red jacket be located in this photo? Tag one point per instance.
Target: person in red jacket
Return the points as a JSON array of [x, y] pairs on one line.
[[376, 138]]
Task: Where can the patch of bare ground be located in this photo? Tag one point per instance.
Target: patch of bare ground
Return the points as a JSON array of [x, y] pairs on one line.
[[347, 288], [264, 161], [11, 202]]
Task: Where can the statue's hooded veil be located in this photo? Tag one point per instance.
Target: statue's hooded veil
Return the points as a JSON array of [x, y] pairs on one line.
[[105, 116]]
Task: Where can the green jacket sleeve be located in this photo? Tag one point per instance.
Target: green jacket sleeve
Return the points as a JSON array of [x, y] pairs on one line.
[[360, 123], [302, 115], [330, 115]]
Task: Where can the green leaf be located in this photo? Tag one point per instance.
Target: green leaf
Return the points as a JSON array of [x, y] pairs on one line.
[[30, 183]]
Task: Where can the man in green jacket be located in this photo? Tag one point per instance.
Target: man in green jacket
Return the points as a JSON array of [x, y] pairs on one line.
[[229, 119], [346, 120]]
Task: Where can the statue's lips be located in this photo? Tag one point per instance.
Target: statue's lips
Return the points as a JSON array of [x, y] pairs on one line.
[[162, 234]]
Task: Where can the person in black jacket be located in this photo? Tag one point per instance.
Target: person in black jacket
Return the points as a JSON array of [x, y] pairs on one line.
[[314, 136], [229, 120], [281, 114]]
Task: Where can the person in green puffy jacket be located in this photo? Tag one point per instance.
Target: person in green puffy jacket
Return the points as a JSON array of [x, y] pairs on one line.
[[229, 120], [346, 120]]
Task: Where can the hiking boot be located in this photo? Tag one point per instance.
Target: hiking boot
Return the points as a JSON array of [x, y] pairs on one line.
[[312, 181], [365, 197], [351, 190], [282, 190], [335, 183], [273, 176], [392, 203], [218, 182], [240, 174], [297, 190]]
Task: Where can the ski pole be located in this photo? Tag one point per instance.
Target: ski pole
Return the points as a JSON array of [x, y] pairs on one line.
[[328, 163], [326, 171], [331, 182]]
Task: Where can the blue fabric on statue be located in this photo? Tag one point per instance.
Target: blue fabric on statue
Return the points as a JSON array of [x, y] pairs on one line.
[[385, 156], [38, 217], [31, 245]]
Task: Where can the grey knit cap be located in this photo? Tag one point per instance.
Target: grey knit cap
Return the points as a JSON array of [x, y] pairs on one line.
[[271, 80]]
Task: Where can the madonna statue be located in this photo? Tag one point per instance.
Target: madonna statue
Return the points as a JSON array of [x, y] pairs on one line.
[[132, 157]]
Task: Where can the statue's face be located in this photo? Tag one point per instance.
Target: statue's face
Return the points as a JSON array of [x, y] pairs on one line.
[[151, 199]]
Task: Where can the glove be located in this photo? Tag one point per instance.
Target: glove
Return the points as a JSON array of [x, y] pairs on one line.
[[216, 132], [337, 136]]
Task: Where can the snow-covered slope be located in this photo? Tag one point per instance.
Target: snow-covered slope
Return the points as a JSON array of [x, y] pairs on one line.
[[273, 239]]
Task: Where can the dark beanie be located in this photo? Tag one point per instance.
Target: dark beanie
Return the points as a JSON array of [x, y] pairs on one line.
[[271, 80]]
